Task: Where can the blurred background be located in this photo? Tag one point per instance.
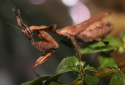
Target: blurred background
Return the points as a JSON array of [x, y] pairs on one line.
[[17, 55]]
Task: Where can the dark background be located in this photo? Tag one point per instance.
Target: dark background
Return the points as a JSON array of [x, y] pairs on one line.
[[17, 55]]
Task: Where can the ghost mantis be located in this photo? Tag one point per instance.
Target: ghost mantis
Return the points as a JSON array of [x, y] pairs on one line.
[[92, 29]]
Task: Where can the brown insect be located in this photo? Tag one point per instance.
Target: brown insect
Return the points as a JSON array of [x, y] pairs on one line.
[[87, 31]]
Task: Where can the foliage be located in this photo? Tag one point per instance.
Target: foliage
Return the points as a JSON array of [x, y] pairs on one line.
[[118, 79], [69, 64], [107, 67]]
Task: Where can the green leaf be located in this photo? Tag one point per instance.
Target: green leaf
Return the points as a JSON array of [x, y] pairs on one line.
[[89, 50], [91, 80], [69, 64], [123, 36], [96, 47], [90, 68], [37, 81], [104, 72], [97, 44], [114, 42], [118, 79], [53, 79], [55, 83], [107, 62], [77, 82], [46, 80]]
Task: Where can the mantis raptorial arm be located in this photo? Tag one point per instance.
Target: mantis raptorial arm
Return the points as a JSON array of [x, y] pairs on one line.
[[51, 28]]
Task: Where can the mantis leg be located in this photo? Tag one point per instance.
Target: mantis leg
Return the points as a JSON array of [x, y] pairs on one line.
[[24, 28], [73, 40], [49, 45], [42, 59], [51, 28]]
